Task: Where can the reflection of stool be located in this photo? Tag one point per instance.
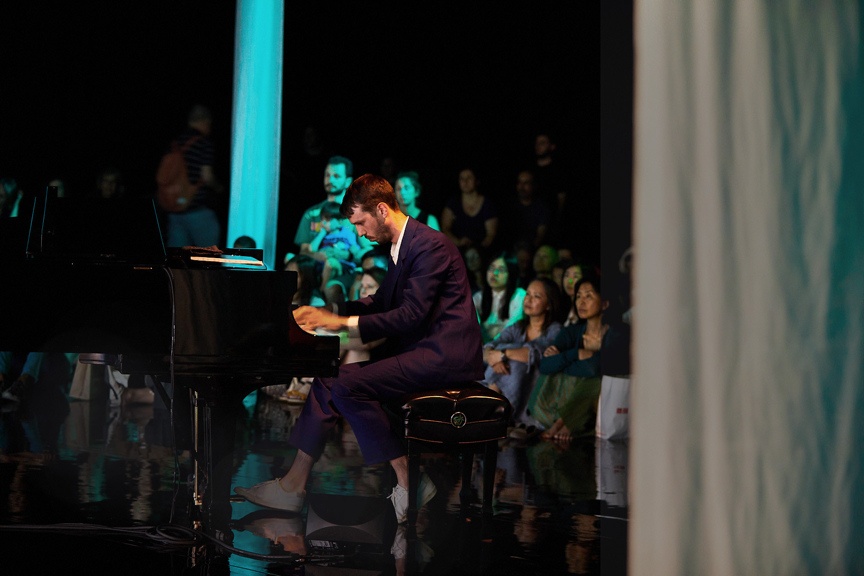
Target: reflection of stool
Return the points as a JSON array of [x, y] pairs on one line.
[[469, 418]]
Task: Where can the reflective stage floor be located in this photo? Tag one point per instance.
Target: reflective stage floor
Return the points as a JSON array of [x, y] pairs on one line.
[[90, 488]]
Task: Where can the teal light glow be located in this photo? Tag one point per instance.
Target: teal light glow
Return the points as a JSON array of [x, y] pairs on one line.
[[257, 124]]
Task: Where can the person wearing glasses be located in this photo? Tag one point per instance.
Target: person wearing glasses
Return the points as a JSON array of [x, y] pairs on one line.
[[499, 302]]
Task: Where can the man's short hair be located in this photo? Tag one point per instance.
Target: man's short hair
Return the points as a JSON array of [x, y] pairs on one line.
[[366, 192], [349, 165]]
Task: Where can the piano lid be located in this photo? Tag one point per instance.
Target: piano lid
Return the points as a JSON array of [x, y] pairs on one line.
[[91, 231]]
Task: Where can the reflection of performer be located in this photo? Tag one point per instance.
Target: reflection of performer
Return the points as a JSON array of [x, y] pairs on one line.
[[34, 399], [423, 308], [287, 531]]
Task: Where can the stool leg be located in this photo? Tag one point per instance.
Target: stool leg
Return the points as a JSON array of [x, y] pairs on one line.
[[490, 463], [466, 462], [413, 481]]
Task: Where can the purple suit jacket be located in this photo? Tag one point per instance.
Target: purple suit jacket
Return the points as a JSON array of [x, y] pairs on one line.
[[425, 310]]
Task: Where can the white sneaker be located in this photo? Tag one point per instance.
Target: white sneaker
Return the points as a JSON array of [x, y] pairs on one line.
[[275, 528], [399, 497], [270, 494]]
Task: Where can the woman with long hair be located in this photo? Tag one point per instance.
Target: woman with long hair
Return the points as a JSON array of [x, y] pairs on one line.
[[565, 399], [513, 356], [499, 303]]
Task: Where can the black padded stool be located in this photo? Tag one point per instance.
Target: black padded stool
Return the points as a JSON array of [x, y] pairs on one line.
[[467, 418]]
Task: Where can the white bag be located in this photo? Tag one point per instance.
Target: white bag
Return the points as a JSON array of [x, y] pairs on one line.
[[613, 410], [81, 381]]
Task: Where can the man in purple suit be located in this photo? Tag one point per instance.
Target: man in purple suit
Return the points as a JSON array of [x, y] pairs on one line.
[[424, 310]]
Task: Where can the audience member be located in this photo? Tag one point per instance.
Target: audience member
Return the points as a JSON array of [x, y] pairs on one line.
[[378, 256], [353, 349], [375, 257], [566, 273], [18, 374], [549, 177], [245, 242], [470, 218], [476, 265], [499, 303], [301, 179], [308, 281], [552, 185], [524, 263], [109, 183], [575, 213], [564, 402], [526, 218], [625, 297], [60, 185], [513, 356], [545, 258], [10, 197], [565, 253], [407, 187], [335, 247], [389, 169], [338, 175], [199, 224]]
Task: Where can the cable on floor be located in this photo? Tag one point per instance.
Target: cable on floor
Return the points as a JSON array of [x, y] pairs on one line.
[[165, 538]]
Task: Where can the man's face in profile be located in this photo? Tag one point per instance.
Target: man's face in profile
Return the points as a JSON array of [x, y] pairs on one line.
[[370, 225]]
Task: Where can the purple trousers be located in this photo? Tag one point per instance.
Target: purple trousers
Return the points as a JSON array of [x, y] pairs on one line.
[[356, 394]]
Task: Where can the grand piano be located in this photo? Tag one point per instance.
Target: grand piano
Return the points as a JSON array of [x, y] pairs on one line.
[[94, 277]]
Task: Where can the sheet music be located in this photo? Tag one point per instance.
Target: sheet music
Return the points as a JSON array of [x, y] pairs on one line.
[[243, 260]]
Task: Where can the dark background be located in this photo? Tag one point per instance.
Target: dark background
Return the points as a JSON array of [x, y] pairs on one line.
[[436, 85]]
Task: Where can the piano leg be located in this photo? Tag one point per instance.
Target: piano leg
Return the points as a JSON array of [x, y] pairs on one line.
[[215, 419]]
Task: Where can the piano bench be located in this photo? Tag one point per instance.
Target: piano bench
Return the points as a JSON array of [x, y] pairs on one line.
[[465, 418]]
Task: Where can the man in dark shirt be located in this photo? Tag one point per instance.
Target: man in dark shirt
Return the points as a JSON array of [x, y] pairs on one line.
[[199, 224]]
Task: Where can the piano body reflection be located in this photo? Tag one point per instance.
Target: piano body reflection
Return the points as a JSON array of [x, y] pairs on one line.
[[94, 277]]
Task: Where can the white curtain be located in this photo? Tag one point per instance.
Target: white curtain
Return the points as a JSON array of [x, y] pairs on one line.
[[748, 396]]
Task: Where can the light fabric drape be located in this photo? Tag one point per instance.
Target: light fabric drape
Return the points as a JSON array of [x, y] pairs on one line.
[[746, 436]]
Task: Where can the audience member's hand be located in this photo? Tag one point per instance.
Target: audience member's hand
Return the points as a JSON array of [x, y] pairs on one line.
[[593, 342], [551, 351], [501, 368], [334, 265]]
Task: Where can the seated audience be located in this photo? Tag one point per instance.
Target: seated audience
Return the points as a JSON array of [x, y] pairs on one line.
[[375, 257], [335, 247], [470, 218], [476, 266], [564, 401], [566, 273], [525, 263], [354, 349], [499, 303], [545, 258], [513, 356], [525, 218], [308, 280]]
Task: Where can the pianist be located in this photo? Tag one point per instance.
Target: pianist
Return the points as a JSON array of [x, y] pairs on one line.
[[423, 308]]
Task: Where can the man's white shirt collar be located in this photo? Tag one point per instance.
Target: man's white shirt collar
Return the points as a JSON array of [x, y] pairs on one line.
[[394, 249]]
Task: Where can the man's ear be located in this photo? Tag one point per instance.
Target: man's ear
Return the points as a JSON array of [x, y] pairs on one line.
[[348, 181]]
